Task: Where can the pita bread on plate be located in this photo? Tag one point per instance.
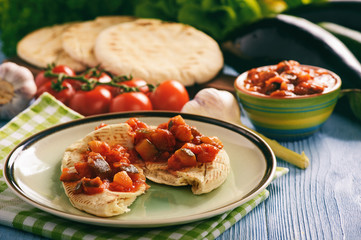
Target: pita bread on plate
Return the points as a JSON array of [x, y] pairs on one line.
[[79, 39], [157, 51], [203, 178], [44, 46], [108, 203]]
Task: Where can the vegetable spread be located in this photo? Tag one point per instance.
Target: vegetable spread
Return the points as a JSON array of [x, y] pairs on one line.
[[175, 143], [104, 167], [178, 144], [289, 78]]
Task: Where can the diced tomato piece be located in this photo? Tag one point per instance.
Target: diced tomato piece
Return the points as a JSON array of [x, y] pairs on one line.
[[208, 153], [213, 141], [83, 169], [175, 121], [68, 175], [99, 147], [178, 127], [93, 186], [135, 124], [196, 149], [118, 154], [183, 133], [163, 140], [122, 178], [163, 126], [182, 158], [173, 163]]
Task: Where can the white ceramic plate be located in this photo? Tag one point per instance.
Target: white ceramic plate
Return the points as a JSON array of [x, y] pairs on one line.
[[32, 171]]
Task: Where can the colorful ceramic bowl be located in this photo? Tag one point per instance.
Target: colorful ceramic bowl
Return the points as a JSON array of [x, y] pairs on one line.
[[287, 118]]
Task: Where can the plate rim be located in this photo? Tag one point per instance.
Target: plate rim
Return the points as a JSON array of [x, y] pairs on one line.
[[265, 149]]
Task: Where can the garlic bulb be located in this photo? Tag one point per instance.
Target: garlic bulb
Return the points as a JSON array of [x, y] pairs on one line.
[[223, 105], [17, 88], [215, 103]]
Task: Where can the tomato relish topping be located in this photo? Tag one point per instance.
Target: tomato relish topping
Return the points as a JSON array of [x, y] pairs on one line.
[[174, 142], [288, 78], [105, 167]]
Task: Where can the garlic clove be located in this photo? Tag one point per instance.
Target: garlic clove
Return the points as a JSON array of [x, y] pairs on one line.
[[17, 88], [214, 103]]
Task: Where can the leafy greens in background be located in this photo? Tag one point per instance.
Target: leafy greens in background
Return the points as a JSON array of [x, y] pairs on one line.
[[18, 17], [215, 17]]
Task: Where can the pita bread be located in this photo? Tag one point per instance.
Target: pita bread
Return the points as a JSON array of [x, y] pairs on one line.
[[79, 39], [44, 46], [157, 51], [203, 178], [108, 203]]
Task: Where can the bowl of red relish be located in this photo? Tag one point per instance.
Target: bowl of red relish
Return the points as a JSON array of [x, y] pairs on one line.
[[288, 100]]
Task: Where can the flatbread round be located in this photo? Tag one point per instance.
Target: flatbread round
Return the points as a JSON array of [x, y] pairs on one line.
[[203, 178], [108, 203], [44, 46], [157, 51], [79, 39]]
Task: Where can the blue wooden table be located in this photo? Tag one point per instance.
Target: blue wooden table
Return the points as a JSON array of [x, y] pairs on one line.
[[321, 202]]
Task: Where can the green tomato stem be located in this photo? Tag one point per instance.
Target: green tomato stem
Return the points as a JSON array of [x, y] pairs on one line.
[[90, 82]]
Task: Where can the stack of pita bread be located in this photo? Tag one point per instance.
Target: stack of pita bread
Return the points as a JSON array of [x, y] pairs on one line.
[[144, 48]]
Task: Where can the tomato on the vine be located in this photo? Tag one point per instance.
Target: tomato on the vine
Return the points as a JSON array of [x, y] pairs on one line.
[[104, 78], [63, 69], [139, 83], [40, 78], [99, 76], [130, 101], [95, 101], [169, 95], [64, 95], [135, 82]]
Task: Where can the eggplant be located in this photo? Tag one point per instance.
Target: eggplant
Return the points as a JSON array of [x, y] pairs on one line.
[[284, 37], [343, 12], [350, 37]]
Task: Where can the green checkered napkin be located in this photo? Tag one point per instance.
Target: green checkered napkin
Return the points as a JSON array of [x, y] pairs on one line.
[[46, 112]]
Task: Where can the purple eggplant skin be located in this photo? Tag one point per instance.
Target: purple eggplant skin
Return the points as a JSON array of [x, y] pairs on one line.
[[343, 12], [284, 37]]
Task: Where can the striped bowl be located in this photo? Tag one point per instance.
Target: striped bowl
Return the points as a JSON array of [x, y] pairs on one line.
[[287, 118]]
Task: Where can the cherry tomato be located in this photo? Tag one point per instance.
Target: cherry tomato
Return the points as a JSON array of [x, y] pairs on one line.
[[40, 79], [63, 95], [130, 101], [100, 77], [135, 82], [139, 83], [103, 77], [63, 69], [91, 102], [169, 95]]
